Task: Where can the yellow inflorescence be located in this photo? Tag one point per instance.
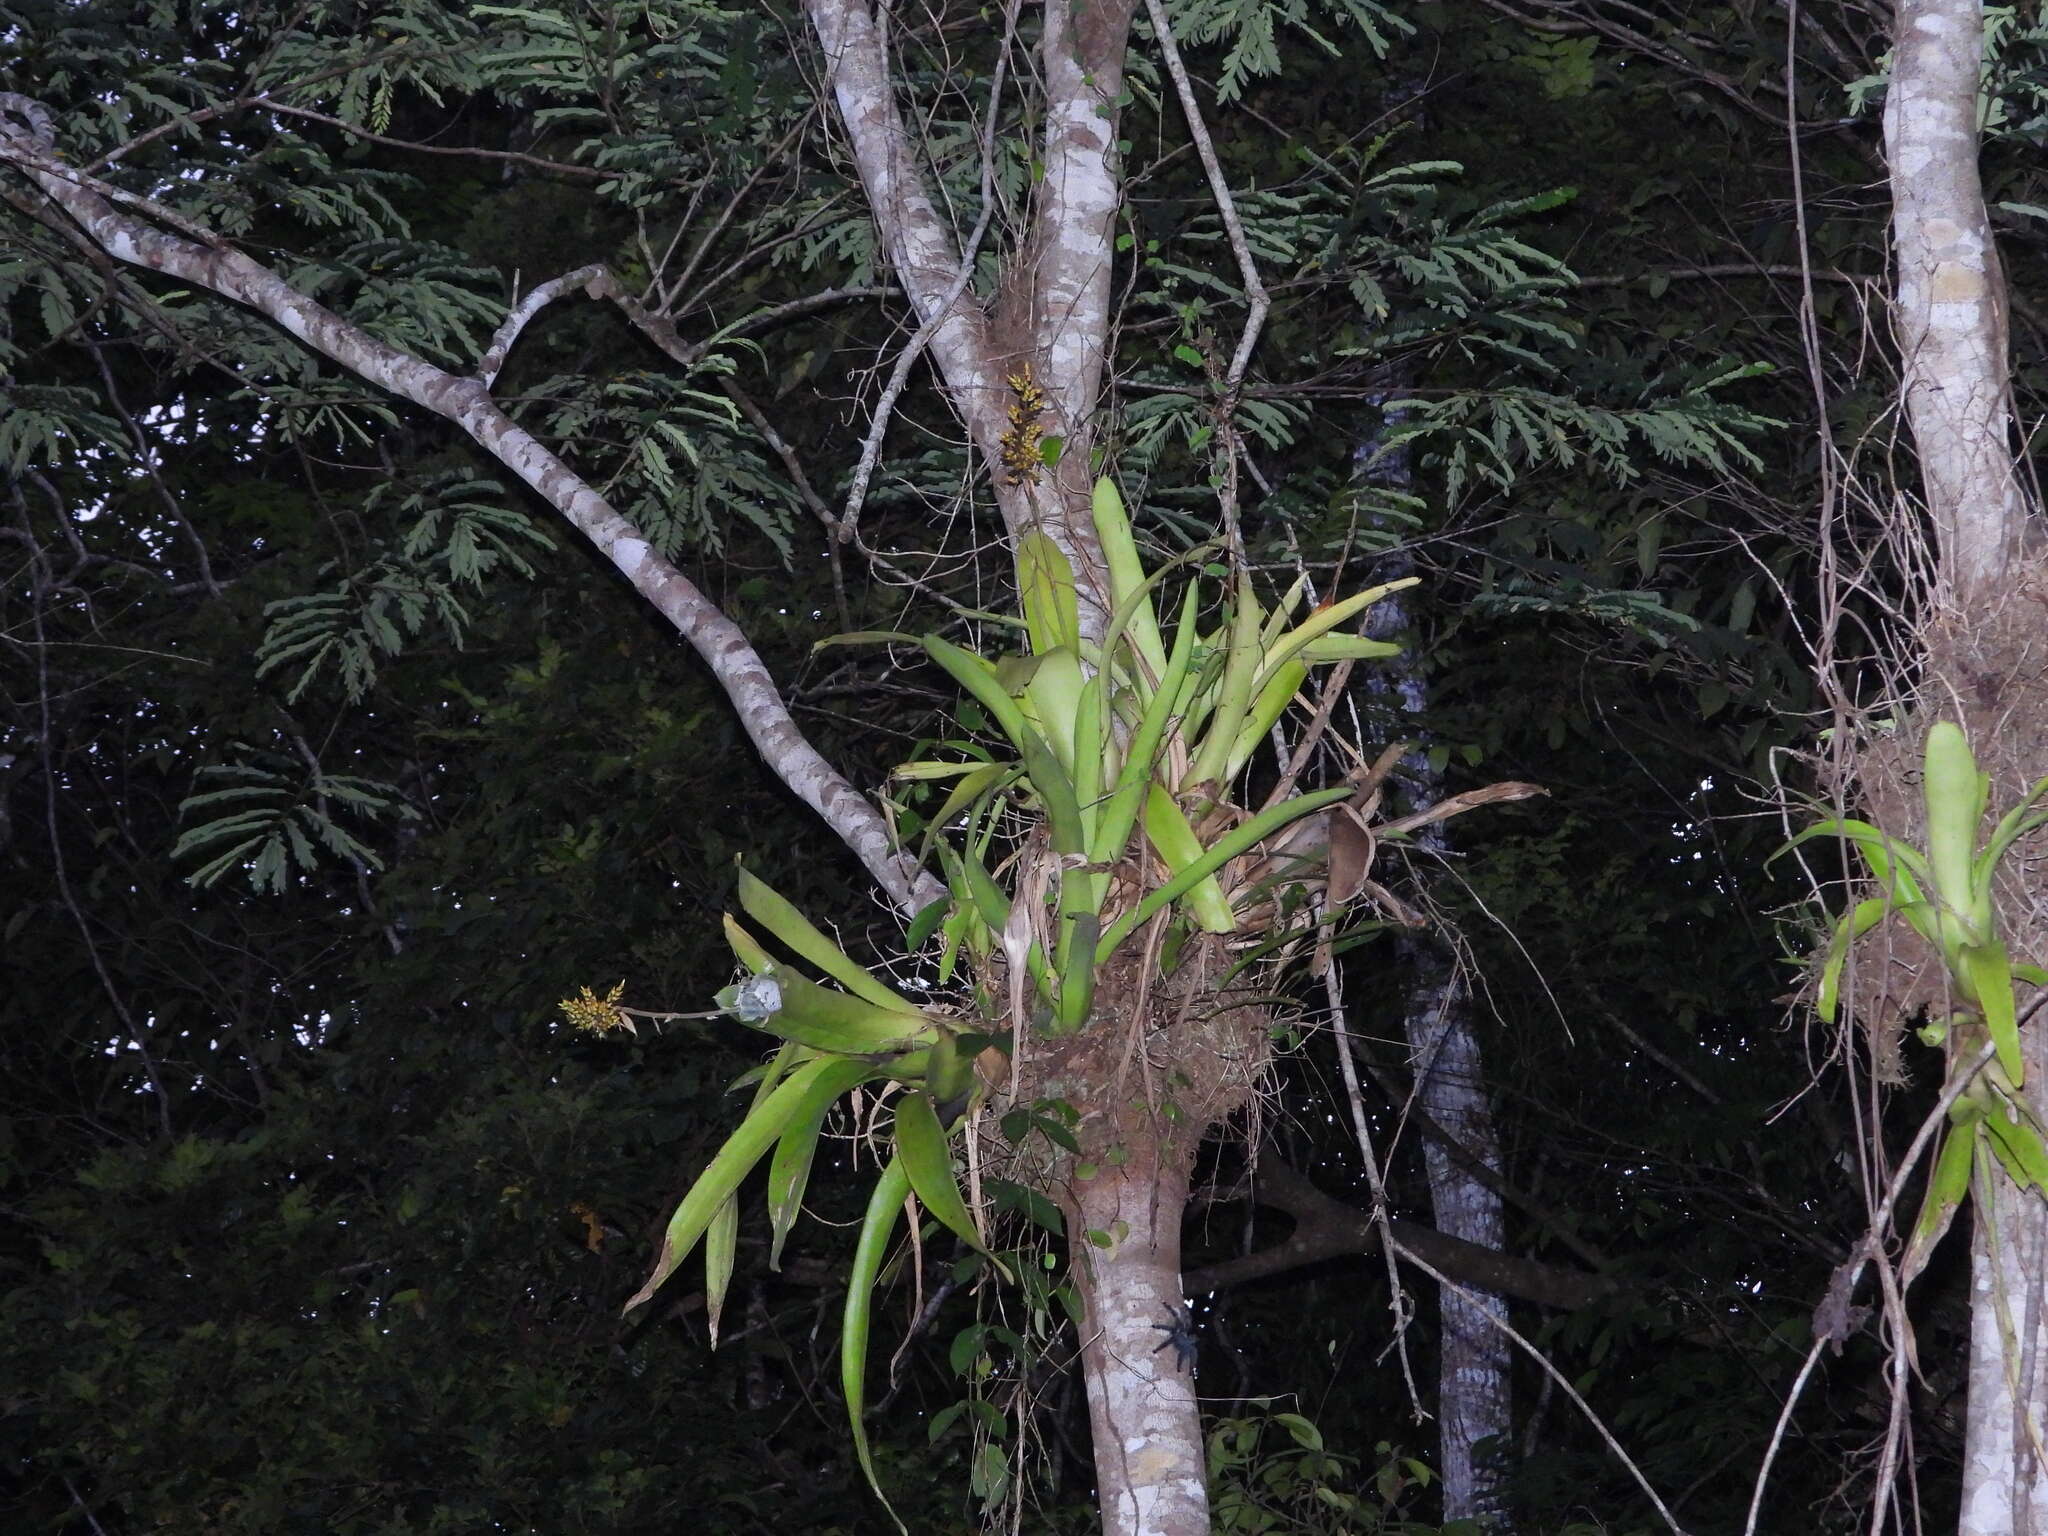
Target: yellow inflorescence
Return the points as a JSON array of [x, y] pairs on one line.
[[599, 1015], [1021, 444]]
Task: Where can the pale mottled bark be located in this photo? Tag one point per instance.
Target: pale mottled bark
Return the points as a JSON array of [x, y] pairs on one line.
[[1052, 316], [2005, 1492], [216, 266], [1951, 327], [1145, 1423], [1951, 313], [916, 238], [1061, 278]]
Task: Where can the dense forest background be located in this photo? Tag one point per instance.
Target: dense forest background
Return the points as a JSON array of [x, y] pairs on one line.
[[317, 1213]]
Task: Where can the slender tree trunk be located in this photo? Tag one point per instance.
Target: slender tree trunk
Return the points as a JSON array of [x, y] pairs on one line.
[[1474, 1403], [1986, 647], [1474, 1381], [1124, 1244]]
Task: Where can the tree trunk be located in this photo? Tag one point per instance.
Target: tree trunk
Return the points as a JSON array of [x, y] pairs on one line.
[[1474, 1405], [1984, 642], [1044, 332], [1123, 1239], [1157, 1066], [1474, 1382]]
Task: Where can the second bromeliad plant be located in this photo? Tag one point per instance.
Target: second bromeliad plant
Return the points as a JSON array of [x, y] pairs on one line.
[[1143, 730]]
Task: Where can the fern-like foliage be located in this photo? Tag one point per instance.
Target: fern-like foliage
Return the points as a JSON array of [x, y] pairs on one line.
[[460, 532], [421, 298], [1494, 436], [674, 458], [271, 825], [48, 423], [1249, 31]]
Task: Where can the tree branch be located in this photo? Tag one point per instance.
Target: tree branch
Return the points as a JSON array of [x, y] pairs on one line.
[[1326, 1228], [920, 246], [209, 263]]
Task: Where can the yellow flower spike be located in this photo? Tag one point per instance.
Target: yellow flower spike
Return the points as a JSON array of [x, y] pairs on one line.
[[597, 1015]]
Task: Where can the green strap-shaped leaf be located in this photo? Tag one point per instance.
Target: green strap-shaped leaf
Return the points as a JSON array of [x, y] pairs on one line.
[[926, 1155], [1276, 621], [1120, 814], [1323, 620], [1080, 932], [864, 637], [1063, 824], [1986, 975], [1090, 752], [1328, 648], [1956, 792], [1238, 840], [781, 918], [1054, 787], [2012, 826], [1234, 692], [1128, 583], [885, 1204], [1054, 696], [949, 1069], [1899, 869], [2019, 1148], [1279, 692], [819, 1017], [1045, 591], [1166, 824], [721, 1244], [977, 675], [789, 1170], [978, 786], [1946, 1187], [925, 924], [763, 1125]]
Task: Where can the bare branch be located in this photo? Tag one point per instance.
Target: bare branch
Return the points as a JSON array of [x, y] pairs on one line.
[[460, 151], [515, 320], [1326, 1228], [920, 246], [899, 377], [218, 267]]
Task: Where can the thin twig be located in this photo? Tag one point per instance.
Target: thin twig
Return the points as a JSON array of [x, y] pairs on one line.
[[1864, 1251], [1554, 1375], [775, 157], [1333, 987], [1226, 206], [1257, 301]]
